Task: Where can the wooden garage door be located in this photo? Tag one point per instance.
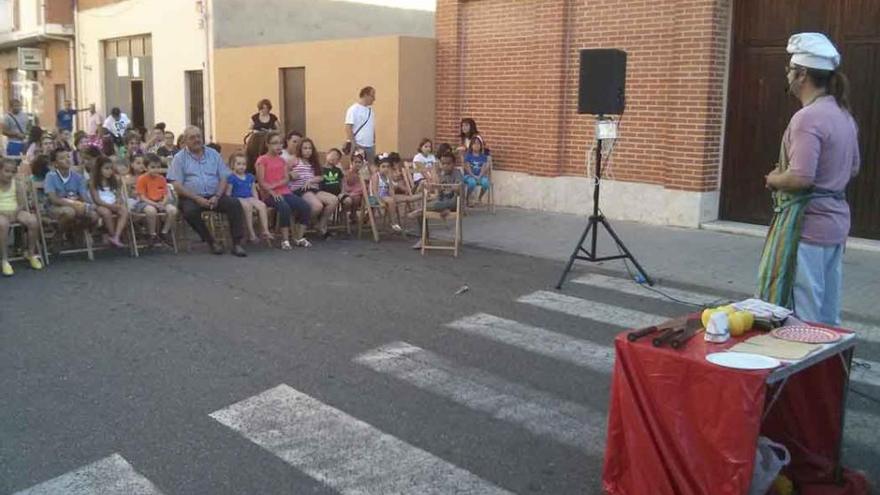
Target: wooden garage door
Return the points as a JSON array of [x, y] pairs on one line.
[[759, 109]]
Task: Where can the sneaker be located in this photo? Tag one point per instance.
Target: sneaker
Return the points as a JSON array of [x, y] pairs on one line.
[[285, 246], [215, 249], [396, 228], [35, 262], [7, 269], [417, 245], [115, 241], [239, 251]]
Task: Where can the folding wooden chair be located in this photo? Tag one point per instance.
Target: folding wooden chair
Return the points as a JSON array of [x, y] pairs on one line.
[[367, 211], [138, 221], [33, 207], [436, 215], [54, 231]]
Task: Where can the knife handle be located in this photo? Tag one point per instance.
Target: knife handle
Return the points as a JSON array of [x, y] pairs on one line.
[[637, 334]]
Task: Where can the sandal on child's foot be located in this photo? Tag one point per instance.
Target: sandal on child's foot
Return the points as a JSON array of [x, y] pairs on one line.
[[396, 228], [285, 246], [116, 242], [303, 243]]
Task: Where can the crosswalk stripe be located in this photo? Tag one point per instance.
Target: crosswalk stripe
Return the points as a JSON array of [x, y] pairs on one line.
[[865, 332], [537, 412], [538, 340], [341, 451], [111, 475], [620, 317], [627, 286]]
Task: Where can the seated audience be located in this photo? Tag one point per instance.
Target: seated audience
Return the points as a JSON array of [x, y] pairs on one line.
[[13, 208], [107, 196], [477, 165], [273, 177], [264, 119], [382, 193], [153, 198], [67, 193], [307, 182], [242, 186], [199, 177]]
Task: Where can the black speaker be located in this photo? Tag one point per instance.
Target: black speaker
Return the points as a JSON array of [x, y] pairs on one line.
[[602, 82]]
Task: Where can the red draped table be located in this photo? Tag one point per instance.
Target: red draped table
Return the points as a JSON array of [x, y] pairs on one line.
[[679, 424]]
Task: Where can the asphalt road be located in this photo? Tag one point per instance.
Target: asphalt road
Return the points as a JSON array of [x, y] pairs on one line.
[[348, 365]]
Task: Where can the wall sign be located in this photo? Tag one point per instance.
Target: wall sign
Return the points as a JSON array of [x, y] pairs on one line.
[[30, 58]]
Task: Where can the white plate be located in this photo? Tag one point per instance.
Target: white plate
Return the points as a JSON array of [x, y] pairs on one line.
[[743, 360]]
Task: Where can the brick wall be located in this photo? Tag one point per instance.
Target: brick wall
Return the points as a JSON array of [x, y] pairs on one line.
[[513, 66]]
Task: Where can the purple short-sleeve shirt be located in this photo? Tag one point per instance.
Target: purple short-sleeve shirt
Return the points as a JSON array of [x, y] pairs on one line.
[[822, 144]]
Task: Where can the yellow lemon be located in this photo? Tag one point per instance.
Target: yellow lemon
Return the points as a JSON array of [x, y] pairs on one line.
[[729, 309], [740, 322], [707, 313]]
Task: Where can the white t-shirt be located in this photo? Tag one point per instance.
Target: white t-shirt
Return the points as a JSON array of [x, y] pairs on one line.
[[117, 127], [429, 160], [356, 116], [94, 121]]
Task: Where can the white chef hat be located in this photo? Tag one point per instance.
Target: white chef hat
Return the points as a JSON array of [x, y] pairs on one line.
[[813, 50]]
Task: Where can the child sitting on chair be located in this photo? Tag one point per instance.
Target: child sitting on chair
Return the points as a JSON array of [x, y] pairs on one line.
[[242, 186], [67, 193], [449, 181], [352, 187], [153, 198], [13, 208], [477, 166], [381, 191], [106, 189], [424, 163]]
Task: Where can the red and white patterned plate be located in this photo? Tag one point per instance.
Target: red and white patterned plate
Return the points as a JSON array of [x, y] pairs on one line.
[[808, 335]]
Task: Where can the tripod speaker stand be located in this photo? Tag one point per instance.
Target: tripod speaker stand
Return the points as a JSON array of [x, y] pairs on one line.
[[598, 219]]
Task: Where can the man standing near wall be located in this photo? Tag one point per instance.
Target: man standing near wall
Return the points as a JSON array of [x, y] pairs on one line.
[[16, 126], [94, 121], [64, 119], [360, 124]]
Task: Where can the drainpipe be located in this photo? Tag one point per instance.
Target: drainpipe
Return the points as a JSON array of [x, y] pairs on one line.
[[208, 79]]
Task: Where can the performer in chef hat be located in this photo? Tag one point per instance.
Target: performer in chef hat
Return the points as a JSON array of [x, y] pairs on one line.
[[813, 55], [802, 261]]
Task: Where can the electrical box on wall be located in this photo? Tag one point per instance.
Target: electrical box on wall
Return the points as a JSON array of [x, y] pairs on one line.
[[606, 129]]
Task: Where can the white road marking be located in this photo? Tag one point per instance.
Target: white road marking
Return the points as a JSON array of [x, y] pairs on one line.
[[630, 287], [111, 475], [537, 412], [622, 318], [556, 345], [865, 332], [341, 451]]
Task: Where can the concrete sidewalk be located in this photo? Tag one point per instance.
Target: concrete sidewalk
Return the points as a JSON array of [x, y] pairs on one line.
[[709, 260]]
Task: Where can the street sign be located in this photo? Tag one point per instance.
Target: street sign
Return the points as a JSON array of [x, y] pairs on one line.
[[30, 59]]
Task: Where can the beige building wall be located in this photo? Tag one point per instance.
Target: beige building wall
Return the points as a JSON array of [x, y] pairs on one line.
[[178, 45], [400, 68]]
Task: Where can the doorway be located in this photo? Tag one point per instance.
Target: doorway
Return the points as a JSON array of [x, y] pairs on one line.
[[293, 99], [137, 103], [759, 109]]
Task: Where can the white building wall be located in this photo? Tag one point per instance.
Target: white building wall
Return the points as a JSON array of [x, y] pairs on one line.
[[178, 45]]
